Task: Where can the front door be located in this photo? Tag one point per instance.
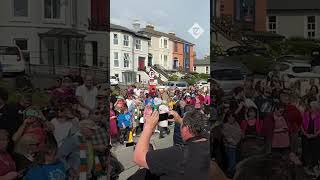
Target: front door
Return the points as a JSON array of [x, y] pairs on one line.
[[141, 63], [175, 63]]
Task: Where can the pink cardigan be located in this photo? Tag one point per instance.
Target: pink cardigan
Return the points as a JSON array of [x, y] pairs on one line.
[[306, 119]]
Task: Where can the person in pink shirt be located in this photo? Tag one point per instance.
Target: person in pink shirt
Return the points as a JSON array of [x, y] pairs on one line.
[[311, 133], [7, 164], [113, 123]]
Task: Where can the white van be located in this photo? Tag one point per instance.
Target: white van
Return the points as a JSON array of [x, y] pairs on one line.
[[12, 60]]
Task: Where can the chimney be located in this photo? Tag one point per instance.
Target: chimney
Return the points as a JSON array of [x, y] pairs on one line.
[[136, 25], [150, 26], [172, 33]]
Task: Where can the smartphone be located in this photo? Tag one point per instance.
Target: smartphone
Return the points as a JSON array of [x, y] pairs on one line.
[[163, 117], [170, 116]]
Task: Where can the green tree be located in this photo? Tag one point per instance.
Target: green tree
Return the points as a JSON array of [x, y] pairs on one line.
[[173, 78]]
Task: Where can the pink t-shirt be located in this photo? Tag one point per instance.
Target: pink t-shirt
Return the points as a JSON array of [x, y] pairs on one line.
[[6, 164], [280, 134]]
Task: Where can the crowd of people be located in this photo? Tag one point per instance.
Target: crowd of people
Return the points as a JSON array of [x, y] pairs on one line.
[[66, 139], [71, 136], [267, 116]]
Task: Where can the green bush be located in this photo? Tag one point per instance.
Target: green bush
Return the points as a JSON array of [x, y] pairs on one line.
[[173, 78]]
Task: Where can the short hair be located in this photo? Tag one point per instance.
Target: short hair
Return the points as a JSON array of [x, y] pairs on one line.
[[50, 146], [188, 108], [4, 95], [263, 167], [195, 121]]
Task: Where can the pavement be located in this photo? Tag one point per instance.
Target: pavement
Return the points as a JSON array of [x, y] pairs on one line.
[[125, 154]]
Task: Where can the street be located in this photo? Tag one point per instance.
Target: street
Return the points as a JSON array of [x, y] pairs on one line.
[[125, 154]]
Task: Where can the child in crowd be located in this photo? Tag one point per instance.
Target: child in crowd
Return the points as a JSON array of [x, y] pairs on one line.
[[124, 124], [232, 136], [47, 166], [7, 164]]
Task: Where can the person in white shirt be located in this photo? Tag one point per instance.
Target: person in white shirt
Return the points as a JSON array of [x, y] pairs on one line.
[[65, 124], [87, 95]]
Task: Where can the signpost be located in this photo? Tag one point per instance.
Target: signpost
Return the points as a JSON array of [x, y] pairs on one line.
[[152, 85]]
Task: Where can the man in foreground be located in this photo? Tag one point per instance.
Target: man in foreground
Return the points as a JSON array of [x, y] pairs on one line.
[[190, 161]]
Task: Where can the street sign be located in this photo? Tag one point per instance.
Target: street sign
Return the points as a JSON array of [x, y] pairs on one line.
[[152, 74]]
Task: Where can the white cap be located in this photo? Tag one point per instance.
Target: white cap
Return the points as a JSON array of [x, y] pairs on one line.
[[163, 109]]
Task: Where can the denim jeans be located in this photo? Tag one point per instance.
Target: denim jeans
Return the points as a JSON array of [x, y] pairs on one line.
[[232, 159]]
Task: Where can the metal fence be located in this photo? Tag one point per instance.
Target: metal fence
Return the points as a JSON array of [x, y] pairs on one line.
[[101, 74]]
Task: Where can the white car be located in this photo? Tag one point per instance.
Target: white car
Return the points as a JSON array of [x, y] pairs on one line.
[[291, 71], [227, 79], [12, 60], [114, 81], [201, 83]]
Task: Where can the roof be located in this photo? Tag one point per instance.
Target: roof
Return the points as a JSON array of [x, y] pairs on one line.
[[114, 27], [202, 62], [293, 5], [151, 32], [62, 32]]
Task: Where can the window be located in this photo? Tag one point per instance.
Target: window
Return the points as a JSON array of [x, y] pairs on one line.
[[272, 24], [195, 68], [126, 60], [187, 48], [165, 43], [161, 44], [138, 44], [207, 70], [165, 57], [175, 47], [20, 8], [52, 9], [126, 40], [22, 44], [149, 43], [116, 59], [311, 27], [94, 53], [115, 39]]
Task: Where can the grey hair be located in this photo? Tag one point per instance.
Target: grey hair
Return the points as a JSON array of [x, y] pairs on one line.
[[195, 121]]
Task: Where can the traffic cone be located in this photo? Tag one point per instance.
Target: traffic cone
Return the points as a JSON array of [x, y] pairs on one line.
[[130, 140]]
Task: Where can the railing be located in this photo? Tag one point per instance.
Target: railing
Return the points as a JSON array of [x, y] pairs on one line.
[[101, 74]]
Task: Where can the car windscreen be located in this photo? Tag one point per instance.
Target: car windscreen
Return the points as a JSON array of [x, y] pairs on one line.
[[227, 74], [5, 50], [301, 69], [181, 85]]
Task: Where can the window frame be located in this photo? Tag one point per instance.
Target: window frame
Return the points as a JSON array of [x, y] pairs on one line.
[[115, 39], [116, 59], [311, 32], [21, 17], [272, 24], [165, 44], [126, 61], [126, 40], [138, 44]]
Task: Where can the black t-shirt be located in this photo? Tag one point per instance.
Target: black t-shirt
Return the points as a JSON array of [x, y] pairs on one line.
[[190, 162]]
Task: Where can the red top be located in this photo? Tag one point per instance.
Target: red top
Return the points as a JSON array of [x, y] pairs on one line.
[[258, 124], [6, 164], [293, 117]]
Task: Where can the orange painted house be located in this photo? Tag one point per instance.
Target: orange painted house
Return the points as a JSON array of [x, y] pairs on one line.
[[182, 54]]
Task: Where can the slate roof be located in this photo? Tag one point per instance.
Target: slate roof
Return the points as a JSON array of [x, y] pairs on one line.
[[203, 62], [114, 27], [152, 32], [293, 5]]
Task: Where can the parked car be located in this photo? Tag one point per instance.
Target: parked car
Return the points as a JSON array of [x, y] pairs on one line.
[[114, 81], [246, 50], [12, 60], [227, 79], [201, 83], [292, 71], [181, 85]]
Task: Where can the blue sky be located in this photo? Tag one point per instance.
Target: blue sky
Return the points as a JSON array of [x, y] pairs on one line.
[[167, 15]]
